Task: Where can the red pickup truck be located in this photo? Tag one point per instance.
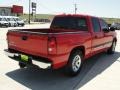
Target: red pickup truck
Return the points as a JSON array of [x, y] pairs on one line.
[[67, 43]]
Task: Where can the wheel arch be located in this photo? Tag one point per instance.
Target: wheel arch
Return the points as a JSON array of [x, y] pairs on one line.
[[81, 48]]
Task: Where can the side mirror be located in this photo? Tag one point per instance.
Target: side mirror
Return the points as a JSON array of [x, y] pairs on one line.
[[112, 28], [105, 30]]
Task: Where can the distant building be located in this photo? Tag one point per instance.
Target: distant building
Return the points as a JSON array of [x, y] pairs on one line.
[[14, 10]]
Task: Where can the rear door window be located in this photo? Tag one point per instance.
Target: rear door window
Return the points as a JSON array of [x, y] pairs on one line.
[[103, 24], [96, 25]]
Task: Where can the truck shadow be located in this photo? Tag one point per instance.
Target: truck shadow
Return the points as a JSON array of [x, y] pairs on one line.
[[37, 79]]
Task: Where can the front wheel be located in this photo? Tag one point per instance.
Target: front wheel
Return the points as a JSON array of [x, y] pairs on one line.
[[74, 64], [23, 25], [111, 50]]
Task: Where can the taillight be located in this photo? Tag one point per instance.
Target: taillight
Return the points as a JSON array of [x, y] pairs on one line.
[[52, 45]]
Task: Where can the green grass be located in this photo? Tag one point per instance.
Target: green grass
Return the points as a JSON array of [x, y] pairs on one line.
[[50, 17]]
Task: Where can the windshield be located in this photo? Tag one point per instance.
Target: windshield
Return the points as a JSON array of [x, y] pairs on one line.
[[70, 22], [10, 19], [17, 19], [2, 19]]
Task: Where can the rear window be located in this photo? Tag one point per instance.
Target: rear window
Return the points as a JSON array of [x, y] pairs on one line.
[[77, 23]]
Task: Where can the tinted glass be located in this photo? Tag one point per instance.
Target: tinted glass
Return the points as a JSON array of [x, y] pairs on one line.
[[8, 19], [96, 24], [11, 19], [16, 19], [2, 19], [63, 22], [76, 23], [103, 24], [81, 24]]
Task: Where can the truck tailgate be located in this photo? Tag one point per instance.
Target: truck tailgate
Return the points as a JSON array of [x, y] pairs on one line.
[[30, 43]]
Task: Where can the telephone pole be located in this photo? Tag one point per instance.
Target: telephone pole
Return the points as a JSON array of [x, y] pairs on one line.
[[29, 10], [75, 5]]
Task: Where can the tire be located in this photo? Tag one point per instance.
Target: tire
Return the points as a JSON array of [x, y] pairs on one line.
[[111, 50], [74, 64], [22, 65], [18, 24], [15, 25], [23, 25]]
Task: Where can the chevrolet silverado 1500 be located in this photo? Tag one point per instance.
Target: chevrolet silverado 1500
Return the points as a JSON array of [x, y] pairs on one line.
[[67, 43]]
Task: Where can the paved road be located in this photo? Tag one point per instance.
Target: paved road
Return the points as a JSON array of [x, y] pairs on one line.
[[100, 72]]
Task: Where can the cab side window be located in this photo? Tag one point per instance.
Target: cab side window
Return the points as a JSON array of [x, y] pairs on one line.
[[103, 24], [96, 25]]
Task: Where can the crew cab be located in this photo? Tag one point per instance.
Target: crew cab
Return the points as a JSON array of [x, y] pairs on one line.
[[69, 41]]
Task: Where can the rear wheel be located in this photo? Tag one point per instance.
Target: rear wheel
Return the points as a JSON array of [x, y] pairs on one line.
[[74, 64], [22, 65], [111, 50]]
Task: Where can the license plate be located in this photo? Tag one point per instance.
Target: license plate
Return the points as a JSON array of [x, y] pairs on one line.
[[24, 58]]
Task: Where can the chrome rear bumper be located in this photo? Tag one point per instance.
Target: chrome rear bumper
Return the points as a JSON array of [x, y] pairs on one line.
[[42, 65]]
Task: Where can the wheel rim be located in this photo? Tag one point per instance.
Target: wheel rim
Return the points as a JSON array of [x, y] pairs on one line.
[[76, 63], [113, 46]]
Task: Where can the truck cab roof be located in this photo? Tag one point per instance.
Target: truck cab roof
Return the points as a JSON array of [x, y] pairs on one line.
[[74, 15]]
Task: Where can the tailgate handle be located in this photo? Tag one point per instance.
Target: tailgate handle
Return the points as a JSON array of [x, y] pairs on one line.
[[24, 38]]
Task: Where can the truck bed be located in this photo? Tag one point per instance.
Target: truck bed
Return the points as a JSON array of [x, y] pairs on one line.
[[31, 41]]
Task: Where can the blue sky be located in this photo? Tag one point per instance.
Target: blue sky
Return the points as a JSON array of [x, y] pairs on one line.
[[102, 8]]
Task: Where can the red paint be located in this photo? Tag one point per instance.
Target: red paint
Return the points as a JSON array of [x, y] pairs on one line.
[[61, 42]]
